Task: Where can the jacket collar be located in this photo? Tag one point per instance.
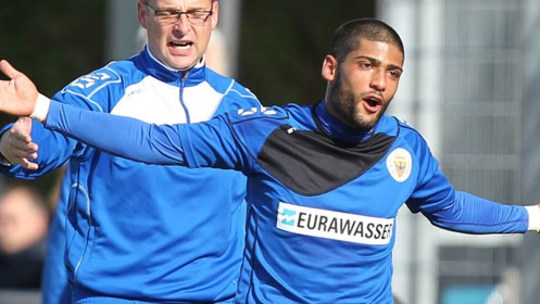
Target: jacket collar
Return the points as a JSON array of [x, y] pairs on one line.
[[149, 64]]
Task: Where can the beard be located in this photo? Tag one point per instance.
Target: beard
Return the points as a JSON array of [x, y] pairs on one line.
[[345, 104]]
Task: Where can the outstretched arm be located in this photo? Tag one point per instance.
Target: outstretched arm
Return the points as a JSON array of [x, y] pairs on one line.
[[122, 136], [475, 215], [207, 143], [19, 96]]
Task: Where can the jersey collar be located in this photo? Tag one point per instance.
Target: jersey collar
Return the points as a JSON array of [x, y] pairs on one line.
[[335, 128]]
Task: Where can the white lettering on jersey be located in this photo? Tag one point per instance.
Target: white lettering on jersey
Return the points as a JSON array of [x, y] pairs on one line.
[[334, 225], [87, 81], [245, 112], [255, 110]]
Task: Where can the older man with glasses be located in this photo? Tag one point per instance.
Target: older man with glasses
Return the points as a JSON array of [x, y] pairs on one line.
[[129, 232]]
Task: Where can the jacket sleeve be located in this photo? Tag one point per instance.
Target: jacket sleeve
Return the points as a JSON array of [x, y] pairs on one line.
[[91, 92], [55, 149]]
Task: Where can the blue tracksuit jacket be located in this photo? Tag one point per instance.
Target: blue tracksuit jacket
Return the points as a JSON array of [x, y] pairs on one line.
[[145, 232]]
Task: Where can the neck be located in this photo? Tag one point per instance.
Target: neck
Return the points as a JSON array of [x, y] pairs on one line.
[[336, 129]]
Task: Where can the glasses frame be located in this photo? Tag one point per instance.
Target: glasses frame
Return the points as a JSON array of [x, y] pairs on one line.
[[179, 14]]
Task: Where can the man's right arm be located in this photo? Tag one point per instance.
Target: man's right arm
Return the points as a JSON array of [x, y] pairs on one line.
[[205, 144], [122, 136]]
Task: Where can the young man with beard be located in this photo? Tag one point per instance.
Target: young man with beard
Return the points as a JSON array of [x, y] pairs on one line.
[[325, 181], [128, 231]]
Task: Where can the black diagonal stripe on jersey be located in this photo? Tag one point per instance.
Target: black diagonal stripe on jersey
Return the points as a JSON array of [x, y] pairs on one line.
[[311, 163]]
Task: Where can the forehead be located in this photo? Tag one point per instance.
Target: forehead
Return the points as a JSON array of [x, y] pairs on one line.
[[182, 3], [382, 51]]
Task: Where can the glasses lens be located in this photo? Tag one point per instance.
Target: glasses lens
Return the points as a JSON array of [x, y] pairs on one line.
[[171, 16], [166, 17], [198, 17]]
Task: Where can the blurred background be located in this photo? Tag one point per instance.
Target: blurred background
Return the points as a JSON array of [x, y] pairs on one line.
[[470, 87]]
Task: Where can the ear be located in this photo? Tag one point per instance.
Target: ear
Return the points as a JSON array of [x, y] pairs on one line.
[[329, 68], [142, 14], [215, 14]]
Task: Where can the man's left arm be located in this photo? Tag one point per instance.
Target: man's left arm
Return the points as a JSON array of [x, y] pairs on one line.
[[472, 214]]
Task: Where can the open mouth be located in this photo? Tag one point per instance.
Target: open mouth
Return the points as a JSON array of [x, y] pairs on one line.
[[180, 45], [372, 104]]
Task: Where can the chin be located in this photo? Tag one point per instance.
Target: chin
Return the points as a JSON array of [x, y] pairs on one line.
[[366, 121], [181, 66]]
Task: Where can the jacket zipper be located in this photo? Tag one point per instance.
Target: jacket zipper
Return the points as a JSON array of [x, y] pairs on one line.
[[181, 97], [89, 215]]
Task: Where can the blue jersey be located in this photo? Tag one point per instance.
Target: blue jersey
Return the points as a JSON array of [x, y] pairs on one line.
[[323, 197], [146, 232]]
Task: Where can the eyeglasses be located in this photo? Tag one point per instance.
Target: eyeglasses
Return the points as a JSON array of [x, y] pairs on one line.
[[195, 17]]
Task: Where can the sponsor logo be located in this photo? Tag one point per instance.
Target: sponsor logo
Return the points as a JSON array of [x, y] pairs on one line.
[[399, 164], [334, 225]]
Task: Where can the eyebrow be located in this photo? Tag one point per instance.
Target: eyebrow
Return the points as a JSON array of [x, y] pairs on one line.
[[378, 62], [172, 7]]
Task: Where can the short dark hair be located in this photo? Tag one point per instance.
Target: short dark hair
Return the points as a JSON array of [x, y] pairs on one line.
[[348, 35]]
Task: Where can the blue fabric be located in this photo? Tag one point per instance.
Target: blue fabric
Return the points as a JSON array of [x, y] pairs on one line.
[[332, 246], [136, 231]]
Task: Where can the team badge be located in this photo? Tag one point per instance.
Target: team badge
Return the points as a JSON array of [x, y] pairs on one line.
[[399, 164]]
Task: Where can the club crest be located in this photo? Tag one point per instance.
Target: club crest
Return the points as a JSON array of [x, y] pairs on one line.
[[399, 164]]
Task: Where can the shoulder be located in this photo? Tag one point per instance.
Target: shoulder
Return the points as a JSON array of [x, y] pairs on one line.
[[101, 88], [410, 137], [404, 133], [258, 115], [229, 87], [400, 127], [117, 73], [252, 126]]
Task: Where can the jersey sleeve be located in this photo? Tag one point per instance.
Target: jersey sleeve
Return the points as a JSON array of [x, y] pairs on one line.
[[476, 215], [459, 211], [207, 144]]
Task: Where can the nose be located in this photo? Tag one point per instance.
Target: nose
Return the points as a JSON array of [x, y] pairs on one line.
[[182, 25], [378, 79]]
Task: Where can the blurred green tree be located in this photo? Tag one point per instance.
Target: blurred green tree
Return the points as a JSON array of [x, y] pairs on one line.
[[283, 44], [53, 42]]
